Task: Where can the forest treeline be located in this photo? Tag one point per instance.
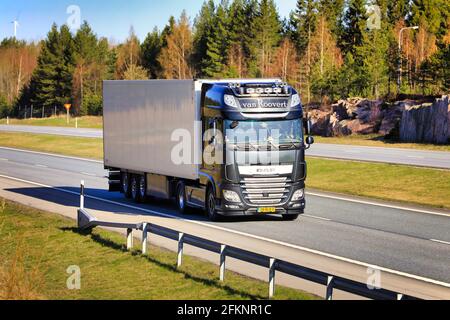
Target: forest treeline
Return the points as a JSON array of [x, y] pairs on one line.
[[328, 49]]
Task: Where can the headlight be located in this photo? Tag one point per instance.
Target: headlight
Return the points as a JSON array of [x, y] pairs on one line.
[[298, 195], [230, 101], [295, 101], [231, 196]]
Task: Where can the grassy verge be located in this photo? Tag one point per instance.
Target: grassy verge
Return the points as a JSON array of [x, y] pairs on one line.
[[379, 141], [72, 146], [38, 247], [83, 122], [421, 186], [377, 180]]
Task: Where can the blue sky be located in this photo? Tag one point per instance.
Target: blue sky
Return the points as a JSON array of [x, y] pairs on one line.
[[109, 18]]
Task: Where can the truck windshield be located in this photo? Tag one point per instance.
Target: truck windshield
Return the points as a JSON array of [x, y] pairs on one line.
[[264, 134]]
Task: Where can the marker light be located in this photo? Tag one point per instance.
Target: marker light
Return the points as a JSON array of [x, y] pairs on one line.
[[295, 100], [230, 101]]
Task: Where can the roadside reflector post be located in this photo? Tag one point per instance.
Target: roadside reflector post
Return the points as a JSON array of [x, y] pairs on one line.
[[180, 249], [330, 283], [76, 123], [129, 239], [7, 120], [400, 296], [82, 195], [272, 266], [144, 238], [223, 256]]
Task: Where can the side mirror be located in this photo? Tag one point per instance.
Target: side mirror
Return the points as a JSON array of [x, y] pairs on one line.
[[308, 127], [309, 142]]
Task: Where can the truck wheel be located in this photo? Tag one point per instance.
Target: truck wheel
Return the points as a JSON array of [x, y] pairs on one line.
[[181, 198], [290, 217], [211, 205], [125, 181], [134, 186], [142, 188]]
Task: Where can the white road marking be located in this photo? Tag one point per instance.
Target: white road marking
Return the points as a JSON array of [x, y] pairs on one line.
[[3, 159], [314, 217], [324, 254], [440, 241], [415, 157], [377, 204], [40, 166]]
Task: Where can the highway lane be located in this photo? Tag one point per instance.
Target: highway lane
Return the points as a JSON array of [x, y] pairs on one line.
[[434, 159], [408, 241]]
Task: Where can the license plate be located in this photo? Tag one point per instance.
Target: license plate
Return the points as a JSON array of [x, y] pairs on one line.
[[267, 210]]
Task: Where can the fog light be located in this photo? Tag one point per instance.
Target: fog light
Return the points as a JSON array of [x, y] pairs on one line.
[[298, 195], [231, 196]]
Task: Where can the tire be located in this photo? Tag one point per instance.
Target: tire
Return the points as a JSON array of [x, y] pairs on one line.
[[181, 198], [211, 206], [142, 188], [134, 186], [125, 182], [290, 217]]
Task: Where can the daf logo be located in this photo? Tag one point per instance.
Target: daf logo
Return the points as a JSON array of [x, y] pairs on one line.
[[265, 170]]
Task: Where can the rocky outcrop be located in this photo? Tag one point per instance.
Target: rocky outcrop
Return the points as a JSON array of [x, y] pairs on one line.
[[427, 122], [408, 120]]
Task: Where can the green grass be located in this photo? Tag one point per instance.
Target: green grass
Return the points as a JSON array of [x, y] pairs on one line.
[[375, 140], [421, 186], [72, 146], [83, 122], [376, 180], [38, 247]]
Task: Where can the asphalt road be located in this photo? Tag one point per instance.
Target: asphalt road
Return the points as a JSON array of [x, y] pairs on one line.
[[433, 159], [405, 240]]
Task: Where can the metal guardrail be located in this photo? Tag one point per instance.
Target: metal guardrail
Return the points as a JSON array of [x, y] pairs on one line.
[[331, 282]]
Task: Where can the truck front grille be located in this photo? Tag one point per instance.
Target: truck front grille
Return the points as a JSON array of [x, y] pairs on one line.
[[266, 191]]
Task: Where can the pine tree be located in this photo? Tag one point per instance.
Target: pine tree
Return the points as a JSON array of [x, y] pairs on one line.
[[52, 79], [203, 26], [267, 28], [354, 23], [238, 28], [304, 22], [151, 48], [217, 44]]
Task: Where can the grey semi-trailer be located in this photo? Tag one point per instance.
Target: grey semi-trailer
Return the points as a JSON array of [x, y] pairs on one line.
[[229, 147]]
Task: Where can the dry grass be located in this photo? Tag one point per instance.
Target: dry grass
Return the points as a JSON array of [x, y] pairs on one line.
[[37, 248], [379, 141], [72, 146], [60, 121]]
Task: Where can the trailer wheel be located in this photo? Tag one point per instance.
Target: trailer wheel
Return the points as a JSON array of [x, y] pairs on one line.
[[134, 186], [142, 188], [125, 181], [181, 198], [211, 205]]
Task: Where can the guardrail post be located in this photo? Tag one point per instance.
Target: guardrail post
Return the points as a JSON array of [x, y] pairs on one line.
[[144, 238], [129, 239], [272, 266], [82, 195], [330, 283], [223, 257], [180, 249]]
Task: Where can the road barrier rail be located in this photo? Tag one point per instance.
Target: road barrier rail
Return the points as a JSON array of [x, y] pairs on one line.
[[331, 282]]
